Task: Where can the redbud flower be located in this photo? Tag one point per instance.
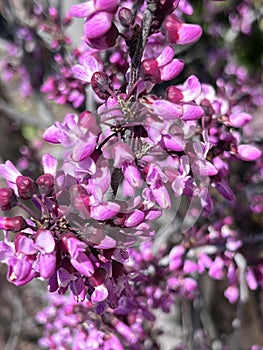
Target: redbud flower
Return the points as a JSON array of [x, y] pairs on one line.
[[15, 223], [248, 152], [125, 17], [239, 119], [85, 71], [100, 83], [8, 199], [45, 184], [105, 41], [97, 25], [25, 186], [181, 33]]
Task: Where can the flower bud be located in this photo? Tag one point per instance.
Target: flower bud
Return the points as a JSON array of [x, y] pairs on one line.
[[100, 83], [25, 186], [180, 33], [53, 13], [15, 224], [8, 199], [105, 41], [45, 184], [248, 153], [125, 17], [174, 94], [151, 70]]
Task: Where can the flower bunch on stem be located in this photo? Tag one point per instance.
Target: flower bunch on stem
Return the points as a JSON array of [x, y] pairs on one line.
[[121, 175]]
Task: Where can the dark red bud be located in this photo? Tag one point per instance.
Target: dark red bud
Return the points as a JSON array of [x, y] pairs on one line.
[[100, 83], [8, 199], [151, 70], [15, 224], [174, 94], [25, 186], [45, 184], [207, 107], [105, 41], [125, 17], [172, 25]]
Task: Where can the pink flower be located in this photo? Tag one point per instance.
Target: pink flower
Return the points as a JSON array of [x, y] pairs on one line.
[[84, 72], [164, 67], [248, 152], [181, 33]]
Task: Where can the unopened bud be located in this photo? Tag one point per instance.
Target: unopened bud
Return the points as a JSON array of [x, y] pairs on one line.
[[53, 12], [8, 199], [125, 17], [105, 41], [25, 187], [174, 94], [151, 70], [100, 83], [15, 224], [45, 184]]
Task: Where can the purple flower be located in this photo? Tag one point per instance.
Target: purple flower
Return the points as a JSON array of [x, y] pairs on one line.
[[10, 174], [78, 258], [216, 270], [248, 152], [239, 119], [84, 72], [164, 67], [232, 294], [181, 33], [8, 199], [187, 92], [98, 25]]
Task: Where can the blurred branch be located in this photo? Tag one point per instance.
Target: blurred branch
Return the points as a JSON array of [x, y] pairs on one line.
[[43, 118], [24, 118], [16, 324]]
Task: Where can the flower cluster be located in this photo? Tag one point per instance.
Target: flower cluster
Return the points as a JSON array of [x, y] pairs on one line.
[[152, 154]]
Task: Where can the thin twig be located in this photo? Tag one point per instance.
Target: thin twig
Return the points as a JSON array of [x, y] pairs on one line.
[[20, 117], [141, 42]]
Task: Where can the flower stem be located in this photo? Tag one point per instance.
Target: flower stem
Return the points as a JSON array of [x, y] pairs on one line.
[[141, 42]]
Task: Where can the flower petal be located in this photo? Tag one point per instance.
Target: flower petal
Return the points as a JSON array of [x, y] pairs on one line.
[[47, 264], [45, 241], [100, 294], [49, 164], [166, 56], [83, 264], [104, 211], [248, 152], [83, 10], [171, 70]]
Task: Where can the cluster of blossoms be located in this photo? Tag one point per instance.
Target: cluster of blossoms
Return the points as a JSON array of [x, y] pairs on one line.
[[120, 177]]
